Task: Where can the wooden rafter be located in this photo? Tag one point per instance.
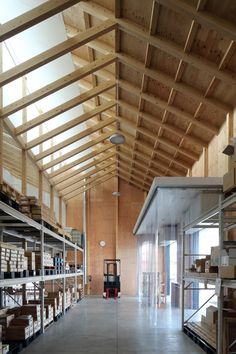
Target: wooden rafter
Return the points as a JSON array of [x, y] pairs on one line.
[[187, 48], [218, 24], [72, 123], [161, 43], [76, 151], [93, 185], [160, 153], [57, 85], [33, 17], [69, 176], [128, 166], [58, 175], [64, 107], [70, 186], [167, 80], [75, 138], [169, 108], [132, 175], [125, 178], [89, 181], [157, 121], [163, 141], [56, 52]]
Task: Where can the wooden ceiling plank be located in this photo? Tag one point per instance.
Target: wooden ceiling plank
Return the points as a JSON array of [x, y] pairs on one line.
[[163, 141], [69, 175], [70, 186], [161, 43], [33, 17], [58, 175], [56, 52], [146, 158], [138, 163], [89, 181], [171, 109], [57, 85], [72, 123], [158, 121], [184, 88], [181, 68], [76, 151], [125, 172], [161, 153], [128, 165], [132, 182], [208, 20], [75, 138], [107, 85], [80, 191]]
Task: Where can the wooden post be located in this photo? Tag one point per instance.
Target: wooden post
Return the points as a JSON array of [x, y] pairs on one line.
[[51, 197], [206, 166], [24, 172], [40, 195], [60, 211], [230, 131], [117, 217]]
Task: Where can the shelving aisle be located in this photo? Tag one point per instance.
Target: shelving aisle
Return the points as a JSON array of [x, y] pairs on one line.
[[223, 218], [19, 230]]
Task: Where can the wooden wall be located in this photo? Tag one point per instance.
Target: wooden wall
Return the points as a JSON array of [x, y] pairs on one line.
[[213, 162], [110, 219]]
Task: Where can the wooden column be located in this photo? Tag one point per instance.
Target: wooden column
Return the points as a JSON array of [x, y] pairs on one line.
[[40, 196], [51, 197], [230, 131], [206, 166], [24, 172], [117, 216], [60, 211]]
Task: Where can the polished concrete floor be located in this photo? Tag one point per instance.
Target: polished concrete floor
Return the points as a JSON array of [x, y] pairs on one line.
[[123, 326]]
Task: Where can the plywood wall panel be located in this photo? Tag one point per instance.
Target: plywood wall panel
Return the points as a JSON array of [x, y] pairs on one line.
[[112, 220]]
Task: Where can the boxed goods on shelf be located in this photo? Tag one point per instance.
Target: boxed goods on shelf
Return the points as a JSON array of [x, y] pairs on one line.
[[18, 333], [31, 207], [47, 260], [30, 260], [215, 256], [12, 258], [227, 272], [33, 310], [5, 321]]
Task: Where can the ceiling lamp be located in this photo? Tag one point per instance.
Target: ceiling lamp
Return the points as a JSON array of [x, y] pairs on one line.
[[116, 194], [117, 139]]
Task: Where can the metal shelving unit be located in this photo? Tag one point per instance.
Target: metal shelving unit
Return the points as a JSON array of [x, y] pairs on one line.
[[215, 218], [17, 228]]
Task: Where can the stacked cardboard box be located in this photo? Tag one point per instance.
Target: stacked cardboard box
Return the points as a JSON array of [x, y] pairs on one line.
[[11, 192], [59, 298], [47, 260], [12, 258], [228, 264], [35, 311], [58, 263], [5, 321], [20, 328], [31, 207], [30, 260], [68, 298]]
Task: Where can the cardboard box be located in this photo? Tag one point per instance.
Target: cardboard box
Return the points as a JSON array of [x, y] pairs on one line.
[[215, 256], [17, 333], [205, 321], [228, 261], [24, 320], [227, 272], [211, 314], [5, 320]]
